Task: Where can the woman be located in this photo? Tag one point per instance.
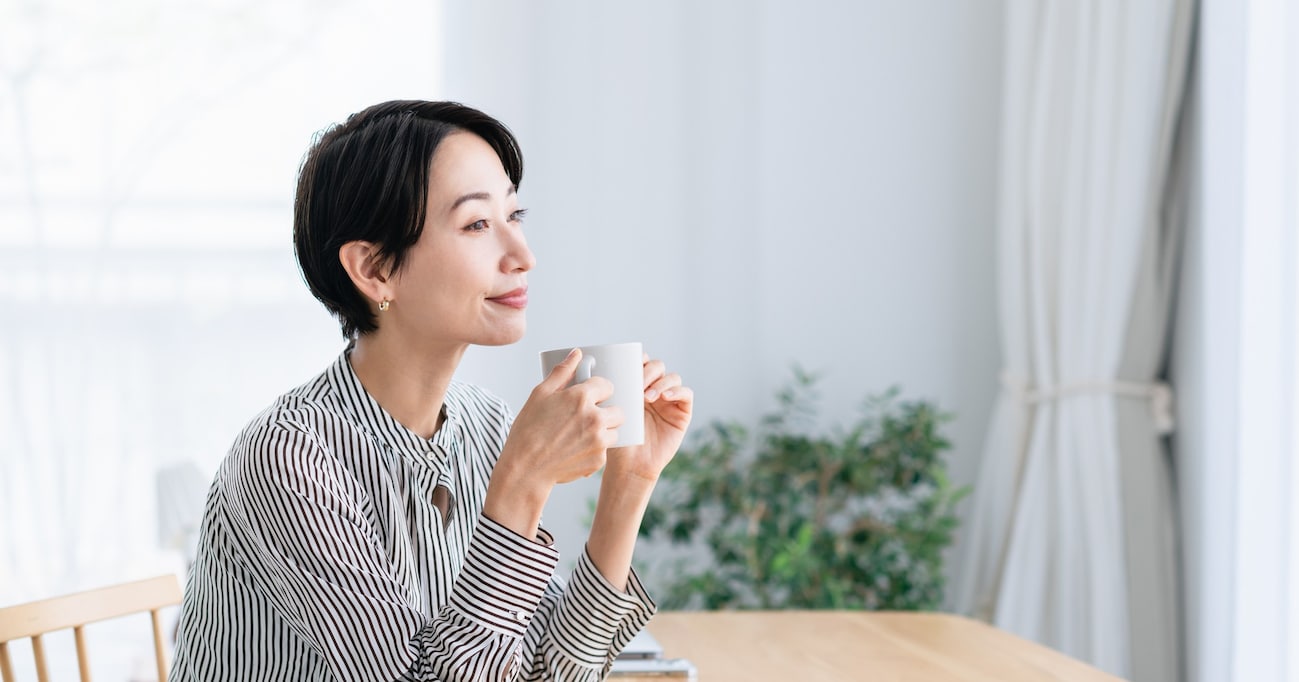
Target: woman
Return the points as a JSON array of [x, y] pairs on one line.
[[381, 521]]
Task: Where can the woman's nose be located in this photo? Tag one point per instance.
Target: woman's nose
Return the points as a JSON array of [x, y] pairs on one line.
[[518, 257]]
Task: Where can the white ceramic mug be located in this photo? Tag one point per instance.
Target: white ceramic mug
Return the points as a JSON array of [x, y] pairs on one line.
[[624, 366]]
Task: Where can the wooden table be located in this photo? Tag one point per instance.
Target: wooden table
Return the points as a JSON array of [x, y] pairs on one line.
[[811, 646]]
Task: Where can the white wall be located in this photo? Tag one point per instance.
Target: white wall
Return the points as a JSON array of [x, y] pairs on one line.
[[747, 185], [1203, 367], [1234, 360], [776, 181], [1203, 370]]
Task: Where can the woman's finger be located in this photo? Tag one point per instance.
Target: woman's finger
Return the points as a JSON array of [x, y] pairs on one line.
[[653, 370], [679, 394], [613, 417], [662, 385]]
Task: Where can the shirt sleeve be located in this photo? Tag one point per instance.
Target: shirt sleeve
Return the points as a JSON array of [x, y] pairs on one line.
[[573, 631], [582, 626]]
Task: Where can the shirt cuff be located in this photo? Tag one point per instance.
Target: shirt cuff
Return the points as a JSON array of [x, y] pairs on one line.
[[504, 577], [594, 621]]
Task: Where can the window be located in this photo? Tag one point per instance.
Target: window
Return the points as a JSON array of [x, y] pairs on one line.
[[149, 297]]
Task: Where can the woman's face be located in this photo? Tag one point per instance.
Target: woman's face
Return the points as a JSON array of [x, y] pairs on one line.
[[465, 280]]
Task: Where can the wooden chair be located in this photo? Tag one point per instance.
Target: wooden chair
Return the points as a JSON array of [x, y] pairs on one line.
[[36, 618]]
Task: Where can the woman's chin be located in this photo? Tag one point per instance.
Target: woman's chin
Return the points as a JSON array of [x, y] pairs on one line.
[[503, 337]]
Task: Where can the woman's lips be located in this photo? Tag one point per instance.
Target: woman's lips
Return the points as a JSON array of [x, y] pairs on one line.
[[514, 299]]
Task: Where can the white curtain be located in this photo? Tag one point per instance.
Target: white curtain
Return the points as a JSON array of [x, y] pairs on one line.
[[1070, 541]]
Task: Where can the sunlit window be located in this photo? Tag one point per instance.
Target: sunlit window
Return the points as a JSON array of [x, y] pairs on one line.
[[149, 300]]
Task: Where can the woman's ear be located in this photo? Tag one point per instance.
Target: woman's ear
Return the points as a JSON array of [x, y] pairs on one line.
[[368, 270]]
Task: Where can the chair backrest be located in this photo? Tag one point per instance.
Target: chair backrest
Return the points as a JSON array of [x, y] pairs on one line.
[[34, 619]]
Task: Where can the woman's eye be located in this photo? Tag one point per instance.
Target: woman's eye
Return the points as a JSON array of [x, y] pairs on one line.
[[477, 226], [518, 215]]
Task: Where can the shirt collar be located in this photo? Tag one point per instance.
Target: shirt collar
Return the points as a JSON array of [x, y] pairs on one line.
[[382, 427]]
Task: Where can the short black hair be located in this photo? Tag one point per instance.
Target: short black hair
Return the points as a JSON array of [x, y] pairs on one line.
[[367, 180]]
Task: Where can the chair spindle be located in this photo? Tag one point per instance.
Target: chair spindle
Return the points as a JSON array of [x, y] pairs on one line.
[[6, 669], [82, 661], [38, 652]]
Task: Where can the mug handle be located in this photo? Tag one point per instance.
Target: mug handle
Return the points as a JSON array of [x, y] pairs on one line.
[[584, 369]]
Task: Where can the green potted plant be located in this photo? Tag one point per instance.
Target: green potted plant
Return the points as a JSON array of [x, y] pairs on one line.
[[791, 518]]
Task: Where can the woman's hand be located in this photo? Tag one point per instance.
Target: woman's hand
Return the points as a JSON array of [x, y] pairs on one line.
[[560, 434], [668, 408], [631, 473]]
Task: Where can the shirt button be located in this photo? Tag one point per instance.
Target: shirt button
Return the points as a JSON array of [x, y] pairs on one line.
[[519, 616]]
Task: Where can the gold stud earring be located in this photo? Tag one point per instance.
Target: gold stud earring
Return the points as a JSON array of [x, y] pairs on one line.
[[383, 305]]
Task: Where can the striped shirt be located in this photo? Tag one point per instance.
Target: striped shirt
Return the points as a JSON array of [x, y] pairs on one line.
[[323, 556]]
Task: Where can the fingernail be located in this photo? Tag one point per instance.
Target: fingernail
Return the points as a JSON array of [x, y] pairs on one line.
[[651, 394], [669, 393], [572, 354]]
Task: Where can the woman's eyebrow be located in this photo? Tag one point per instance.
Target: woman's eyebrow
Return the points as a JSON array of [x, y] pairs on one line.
[[472, 196], [478, 196]]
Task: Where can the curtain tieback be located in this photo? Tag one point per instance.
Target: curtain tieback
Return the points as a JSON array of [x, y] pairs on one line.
[[1159, 394]]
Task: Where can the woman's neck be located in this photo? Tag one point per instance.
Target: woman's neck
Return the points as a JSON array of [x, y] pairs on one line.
[[410, 384]]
